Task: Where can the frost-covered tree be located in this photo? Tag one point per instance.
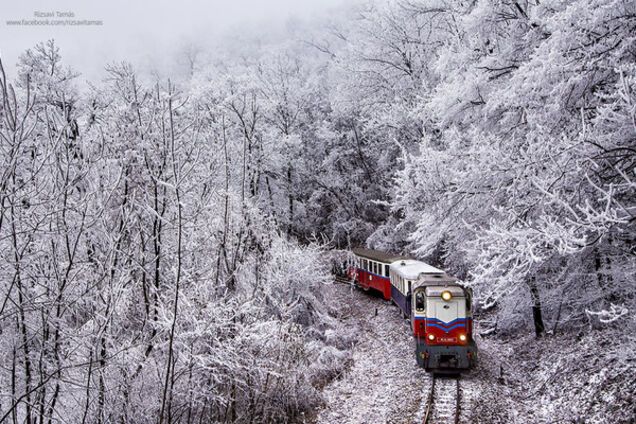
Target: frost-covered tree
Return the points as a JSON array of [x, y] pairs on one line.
[[142, 274], [523, 181]]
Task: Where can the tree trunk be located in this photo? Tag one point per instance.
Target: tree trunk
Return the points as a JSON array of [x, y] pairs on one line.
[[537, 315], [291, 199]]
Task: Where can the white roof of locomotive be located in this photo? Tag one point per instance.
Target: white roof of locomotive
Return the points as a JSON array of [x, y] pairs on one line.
[[411, 269], [455, 290]]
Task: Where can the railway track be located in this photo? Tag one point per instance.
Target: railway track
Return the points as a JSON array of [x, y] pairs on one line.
[[342, 280], [443, 401]]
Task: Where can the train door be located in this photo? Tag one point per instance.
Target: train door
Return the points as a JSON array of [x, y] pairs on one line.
[[419, 305], [418, 312]]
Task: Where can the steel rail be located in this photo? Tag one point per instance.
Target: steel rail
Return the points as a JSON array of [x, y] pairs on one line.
[[430, 401]]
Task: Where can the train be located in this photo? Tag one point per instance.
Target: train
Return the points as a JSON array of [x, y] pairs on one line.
[[438, 307]]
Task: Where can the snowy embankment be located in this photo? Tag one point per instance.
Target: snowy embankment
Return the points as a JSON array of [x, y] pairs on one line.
[[557, 379], [382, 365]]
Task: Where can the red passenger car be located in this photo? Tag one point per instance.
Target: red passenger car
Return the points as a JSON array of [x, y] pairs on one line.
[[370, 270]]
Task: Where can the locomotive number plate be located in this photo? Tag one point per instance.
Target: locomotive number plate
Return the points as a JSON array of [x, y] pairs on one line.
[[448, 339]]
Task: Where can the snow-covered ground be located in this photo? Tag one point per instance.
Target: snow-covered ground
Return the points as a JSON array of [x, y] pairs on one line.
[[558, 379], [383, 367]]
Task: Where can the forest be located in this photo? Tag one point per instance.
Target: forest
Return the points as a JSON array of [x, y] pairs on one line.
[[165, 239]]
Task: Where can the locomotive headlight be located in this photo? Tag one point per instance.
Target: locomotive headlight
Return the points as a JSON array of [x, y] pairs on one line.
[[446, 295], [431, 337], [462, 337]]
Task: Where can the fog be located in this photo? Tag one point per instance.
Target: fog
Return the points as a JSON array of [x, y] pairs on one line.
[[145, 33]]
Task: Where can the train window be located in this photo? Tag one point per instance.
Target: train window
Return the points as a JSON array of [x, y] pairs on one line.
[[386, 270], [420, 301], [364, 264]]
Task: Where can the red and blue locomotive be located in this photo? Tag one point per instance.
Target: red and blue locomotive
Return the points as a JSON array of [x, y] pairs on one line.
[[438, 308]]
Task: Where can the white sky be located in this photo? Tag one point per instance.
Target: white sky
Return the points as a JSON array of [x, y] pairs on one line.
[[139, 31]]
